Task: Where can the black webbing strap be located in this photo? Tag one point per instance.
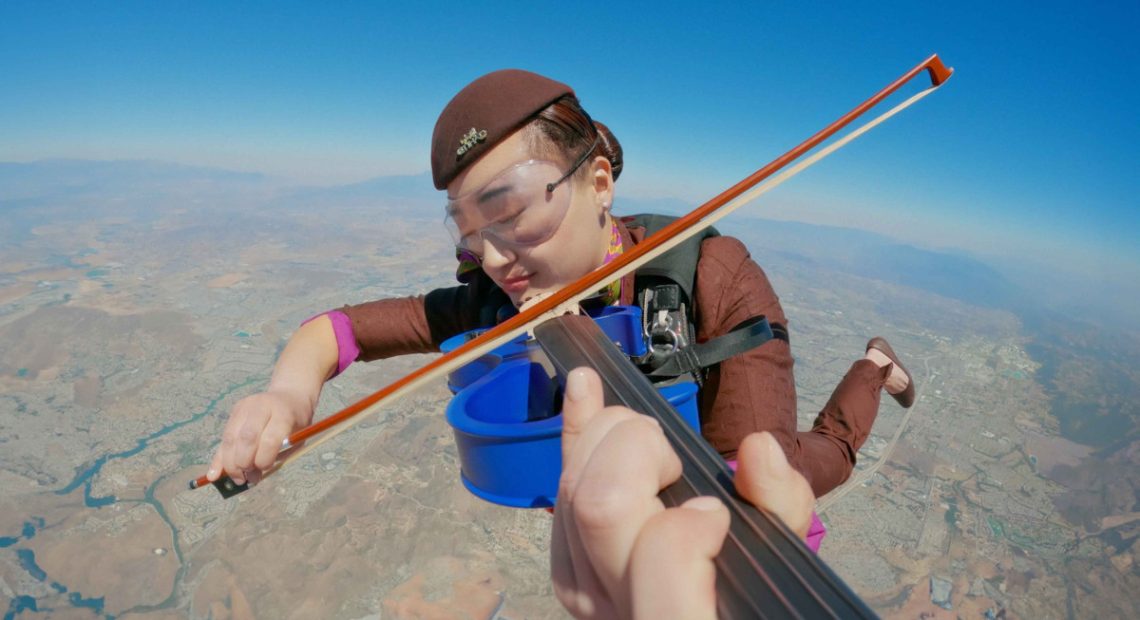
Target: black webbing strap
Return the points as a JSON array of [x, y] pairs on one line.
[[747, 335]]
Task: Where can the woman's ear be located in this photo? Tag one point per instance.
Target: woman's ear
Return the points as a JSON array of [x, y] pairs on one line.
[[602, 179]]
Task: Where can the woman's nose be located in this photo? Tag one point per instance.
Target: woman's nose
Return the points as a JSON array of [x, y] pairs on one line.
[[496, 253]]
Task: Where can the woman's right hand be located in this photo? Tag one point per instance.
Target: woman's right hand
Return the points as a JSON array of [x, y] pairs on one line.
[[253, 435], [259, 423]]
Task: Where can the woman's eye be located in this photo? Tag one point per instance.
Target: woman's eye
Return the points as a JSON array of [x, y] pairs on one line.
[[510, 212]]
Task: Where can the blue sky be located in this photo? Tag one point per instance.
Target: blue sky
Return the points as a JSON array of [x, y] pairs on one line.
[[1029, 151]]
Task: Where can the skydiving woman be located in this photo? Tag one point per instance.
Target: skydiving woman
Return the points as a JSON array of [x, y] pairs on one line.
[[530, 190]]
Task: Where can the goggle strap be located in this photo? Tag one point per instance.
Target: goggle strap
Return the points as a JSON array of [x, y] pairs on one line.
[[581, 159]]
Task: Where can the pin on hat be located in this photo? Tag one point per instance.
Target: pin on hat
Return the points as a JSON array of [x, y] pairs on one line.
[[470, 139]]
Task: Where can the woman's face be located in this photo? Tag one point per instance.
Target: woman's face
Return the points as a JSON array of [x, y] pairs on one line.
[[577, 245]]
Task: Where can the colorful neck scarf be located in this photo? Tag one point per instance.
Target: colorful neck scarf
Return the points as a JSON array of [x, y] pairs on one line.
[[468, 265], [612, 293]]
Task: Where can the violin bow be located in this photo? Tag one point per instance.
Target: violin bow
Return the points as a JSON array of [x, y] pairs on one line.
[[630, 260]]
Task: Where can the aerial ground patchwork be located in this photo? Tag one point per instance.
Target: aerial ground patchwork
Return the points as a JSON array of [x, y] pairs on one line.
[[125, 337]]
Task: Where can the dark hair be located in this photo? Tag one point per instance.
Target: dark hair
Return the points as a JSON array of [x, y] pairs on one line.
[[563, 127]]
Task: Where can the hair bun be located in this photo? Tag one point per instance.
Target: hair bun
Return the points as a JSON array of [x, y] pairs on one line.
[[609, 147]]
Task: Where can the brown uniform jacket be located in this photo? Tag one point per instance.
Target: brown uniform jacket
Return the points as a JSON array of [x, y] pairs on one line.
[[753, 391]]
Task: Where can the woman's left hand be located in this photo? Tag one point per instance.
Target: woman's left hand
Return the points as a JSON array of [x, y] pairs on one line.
[[616, 551]]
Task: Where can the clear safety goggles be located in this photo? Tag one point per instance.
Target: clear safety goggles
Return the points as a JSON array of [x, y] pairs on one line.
[[522, 206]]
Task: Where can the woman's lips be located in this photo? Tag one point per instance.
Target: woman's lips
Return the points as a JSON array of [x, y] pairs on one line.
[[516, 284]]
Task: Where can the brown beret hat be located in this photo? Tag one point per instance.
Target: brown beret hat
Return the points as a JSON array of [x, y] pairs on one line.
[[483, 113]]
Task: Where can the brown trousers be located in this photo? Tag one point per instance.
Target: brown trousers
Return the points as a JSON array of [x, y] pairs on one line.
[[826, 453]]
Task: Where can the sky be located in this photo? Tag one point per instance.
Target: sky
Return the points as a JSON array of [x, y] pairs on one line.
[[1028, 152]]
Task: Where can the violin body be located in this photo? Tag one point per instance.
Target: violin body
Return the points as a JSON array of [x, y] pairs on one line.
[[506, 413]]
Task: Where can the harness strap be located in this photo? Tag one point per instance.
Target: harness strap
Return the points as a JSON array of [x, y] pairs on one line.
[[749, 334]]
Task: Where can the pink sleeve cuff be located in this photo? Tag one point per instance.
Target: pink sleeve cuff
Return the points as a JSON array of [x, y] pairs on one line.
[[816, 531], [347, 349]]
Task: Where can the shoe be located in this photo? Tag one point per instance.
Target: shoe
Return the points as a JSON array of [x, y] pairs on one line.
[[905, 397]]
